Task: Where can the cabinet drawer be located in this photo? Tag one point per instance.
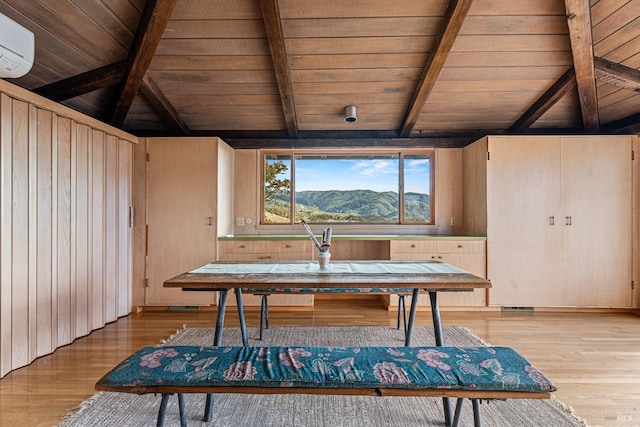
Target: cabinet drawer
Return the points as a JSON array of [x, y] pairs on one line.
[[417, 247], [288, 246], [289, 249], [242, 247], [461, 246]]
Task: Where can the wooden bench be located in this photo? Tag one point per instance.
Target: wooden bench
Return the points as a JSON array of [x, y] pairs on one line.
[[476, 373], [265, 292]]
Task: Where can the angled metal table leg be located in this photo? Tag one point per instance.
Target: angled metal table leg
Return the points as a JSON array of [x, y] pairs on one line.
[[222, 306], [412, 316], [243, 323], [217, 340], [437, 331], [435, 315]]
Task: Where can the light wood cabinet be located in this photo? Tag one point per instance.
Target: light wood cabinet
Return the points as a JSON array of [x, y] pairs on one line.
[[558, 220], [264, 250], [469, 255], [183, 182]]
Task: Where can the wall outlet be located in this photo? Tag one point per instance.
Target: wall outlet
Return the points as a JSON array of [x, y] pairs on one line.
[[240, 221]]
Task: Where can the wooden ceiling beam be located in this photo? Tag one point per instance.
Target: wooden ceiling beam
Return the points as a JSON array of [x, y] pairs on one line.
[[163, 106], [456, 14], [579, 22], [617, 74], [273, 27], [625, 126], [109, 75], [565, 84], [153, 22]]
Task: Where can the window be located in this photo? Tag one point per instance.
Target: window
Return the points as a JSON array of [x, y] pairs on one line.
[[358, 187]]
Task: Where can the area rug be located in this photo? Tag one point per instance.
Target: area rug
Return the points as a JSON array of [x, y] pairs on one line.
[[120, 409]]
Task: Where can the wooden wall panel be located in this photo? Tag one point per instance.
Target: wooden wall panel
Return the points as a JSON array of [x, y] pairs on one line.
[[61, 178], [111, 207], [20, 234], [97, 215], [5, 233], [123, 290], [80, 229], [42, 227], [63, 231]]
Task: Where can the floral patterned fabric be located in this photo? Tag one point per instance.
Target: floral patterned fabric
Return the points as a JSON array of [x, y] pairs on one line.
[[462, 368]]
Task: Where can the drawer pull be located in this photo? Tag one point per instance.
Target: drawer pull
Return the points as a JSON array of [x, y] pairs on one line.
[[242, 246], [287, 246], [413, 245], [460, 246]]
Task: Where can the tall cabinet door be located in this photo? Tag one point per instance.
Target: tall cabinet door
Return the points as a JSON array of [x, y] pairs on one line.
[[181, 217], [523, 232], [596, 221]]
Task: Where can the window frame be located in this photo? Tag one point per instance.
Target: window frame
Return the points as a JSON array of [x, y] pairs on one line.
[[401, 153]]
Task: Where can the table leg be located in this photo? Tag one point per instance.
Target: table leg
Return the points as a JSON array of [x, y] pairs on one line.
[[222, 306], [243, 323], [437, 332], [412, 316], [435, 314]]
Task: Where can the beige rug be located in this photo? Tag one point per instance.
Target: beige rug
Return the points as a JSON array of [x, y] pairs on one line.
[[120, 409]]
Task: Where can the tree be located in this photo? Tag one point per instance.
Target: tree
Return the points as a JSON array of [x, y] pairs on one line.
[[276, 183]]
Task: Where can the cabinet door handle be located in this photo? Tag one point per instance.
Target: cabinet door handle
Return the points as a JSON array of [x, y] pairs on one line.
[[210, 218], [552, 220], [568, 220]]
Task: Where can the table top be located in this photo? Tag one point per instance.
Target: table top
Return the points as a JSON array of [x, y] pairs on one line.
[[429, 275]]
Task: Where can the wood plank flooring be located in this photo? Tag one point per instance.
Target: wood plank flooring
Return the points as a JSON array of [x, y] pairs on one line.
[[593, 358]]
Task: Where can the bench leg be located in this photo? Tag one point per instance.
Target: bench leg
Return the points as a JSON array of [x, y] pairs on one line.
[[208, 408], [477, 421], [162, 412], [163, 409], [456, 415], [181, 407]]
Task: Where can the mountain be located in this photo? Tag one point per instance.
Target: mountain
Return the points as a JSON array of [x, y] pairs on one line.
[[360, 206]]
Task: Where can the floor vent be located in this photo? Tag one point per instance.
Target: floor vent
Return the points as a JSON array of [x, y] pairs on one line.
[[517, 309], [184, 308]]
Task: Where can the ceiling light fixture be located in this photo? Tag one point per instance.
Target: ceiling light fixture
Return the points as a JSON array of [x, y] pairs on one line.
[[350, 114]]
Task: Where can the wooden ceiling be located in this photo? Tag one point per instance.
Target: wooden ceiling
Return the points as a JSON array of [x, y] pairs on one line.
[[279, 73]]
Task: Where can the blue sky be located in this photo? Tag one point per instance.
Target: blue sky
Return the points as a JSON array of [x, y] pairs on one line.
[[376, 175]]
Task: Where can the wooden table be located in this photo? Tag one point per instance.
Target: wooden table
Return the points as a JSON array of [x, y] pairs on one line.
[[432, 276]]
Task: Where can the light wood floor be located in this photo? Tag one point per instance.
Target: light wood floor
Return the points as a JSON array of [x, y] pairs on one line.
[[593, 358]]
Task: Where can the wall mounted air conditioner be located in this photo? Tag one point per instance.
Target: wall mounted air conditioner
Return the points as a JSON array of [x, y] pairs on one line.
[[17, 46]]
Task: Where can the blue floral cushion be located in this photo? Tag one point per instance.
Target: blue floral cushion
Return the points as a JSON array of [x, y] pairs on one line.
[[461, 368]]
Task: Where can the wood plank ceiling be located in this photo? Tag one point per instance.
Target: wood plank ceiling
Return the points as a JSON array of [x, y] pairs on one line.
[[279, 73]]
